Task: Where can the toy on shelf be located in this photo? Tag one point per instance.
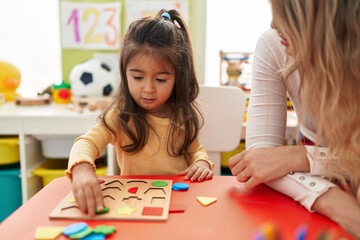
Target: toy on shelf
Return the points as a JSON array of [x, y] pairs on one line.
[[9, 80], [234, 63], [36, 101], [79, 104], [61, 93], [92, 78]]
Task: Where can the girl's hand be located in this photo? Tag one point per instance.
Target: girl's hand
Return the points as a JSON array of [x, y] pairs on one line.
[[86, 189], [255, 166], [198, 171]]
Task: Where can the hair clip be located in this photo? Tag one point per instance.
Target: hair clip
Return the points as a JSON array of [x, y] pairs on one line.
[[166, 15], [176, 24], [146, 17]]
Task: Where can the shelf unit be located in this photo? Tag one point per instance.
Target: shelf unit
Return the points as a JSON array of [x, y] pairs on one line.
[[26, 122]]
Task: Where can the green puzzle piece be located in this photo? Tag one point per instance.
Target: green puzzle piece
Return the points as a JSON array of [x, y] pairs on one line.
[[106, 230], [81, 234], [159, 184], [104, 210]]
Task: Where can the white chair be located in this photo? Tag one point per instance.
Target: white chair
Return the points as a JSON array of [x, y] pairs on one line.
[[223, 109]]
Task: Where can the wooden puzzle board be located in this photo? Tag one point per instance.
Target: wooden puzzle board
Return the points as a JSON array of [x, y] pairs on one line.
[[122, 203]]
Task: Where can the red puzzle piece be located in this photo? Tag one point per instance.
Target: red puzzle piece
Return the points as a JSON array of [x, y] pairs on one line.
[[153, 211], [176, 208], [133, 190]]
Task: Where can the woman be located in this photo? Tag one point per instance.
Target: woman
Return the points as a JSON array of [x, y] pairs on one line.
[[313, 55]]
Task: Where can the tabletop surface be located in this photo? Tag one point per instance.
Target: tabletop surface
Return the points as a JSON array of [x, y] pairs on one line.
[[236, 214], [9, 109]]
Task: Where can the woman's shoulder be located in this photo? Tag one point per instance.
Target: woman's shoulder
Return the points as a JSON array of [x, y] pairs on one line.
[[269, 53], [270, 37], [269, 43]]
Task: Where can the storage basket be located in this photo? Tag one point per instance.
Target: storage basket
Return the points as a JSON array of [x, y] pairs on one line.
[[9, 150], [54, 168], [10, 191], [58, 147]]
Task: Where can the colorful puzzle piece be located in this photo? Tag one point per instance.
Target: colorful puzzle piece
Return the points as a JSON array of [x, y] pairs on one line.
[[94, 236], [106, 230], [153, 211], [72, 199], [176, 208], [159, 183], [270, 231], [48, 232], [133, 190], [125, 210], [104, 210], [180, 186], [81, 234], [74, 228], [205, 201]]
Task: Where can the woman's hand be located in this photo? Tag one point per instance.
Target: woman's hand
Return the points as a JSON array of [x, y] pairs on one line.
[[255, 166], [198, 171], [86, 189], [340, 207]]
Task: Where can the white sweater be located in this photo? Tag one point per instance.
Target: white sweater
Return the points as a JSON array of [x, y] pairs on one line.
[[266, 119]]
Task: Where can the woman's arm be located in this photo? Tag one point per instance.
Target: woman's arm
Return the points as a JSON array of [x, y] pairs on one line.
[[267, 111], [261, 165], [340, 207], [265, 138], [266, 127]]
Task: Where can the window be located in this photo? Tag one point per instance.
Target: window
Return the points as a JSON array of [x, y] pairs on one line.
[[232, 26]]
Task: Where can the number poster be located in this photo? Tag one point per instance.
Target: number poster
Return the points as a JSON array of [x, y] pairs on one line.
[[90, 25]]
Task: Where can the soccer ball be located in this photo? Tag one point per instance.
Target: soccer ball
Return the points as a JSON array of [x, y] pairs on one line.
[[92, 79]]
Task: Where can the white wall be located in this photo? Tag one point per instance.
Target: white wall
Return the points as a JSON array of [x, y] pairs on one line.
[[30, 40], [232, 26]]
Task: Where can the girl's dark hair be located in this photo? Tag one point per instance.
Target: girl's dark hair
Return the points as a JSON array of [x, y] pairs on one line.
[[163, 39]]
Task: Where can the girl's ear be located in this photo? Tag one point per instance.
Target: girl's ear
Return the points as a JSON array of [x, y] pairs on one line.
[[358, 195]]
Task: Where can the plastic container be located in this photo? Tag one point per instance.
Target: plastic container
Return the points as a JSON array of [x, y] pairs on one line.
[[54, 168], [10, 191], [58, 147], [9, 150]]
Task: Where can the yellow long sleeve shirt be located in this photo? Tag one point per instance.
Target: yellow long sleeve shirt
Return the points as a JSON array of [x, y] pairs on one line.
[[152, 159]]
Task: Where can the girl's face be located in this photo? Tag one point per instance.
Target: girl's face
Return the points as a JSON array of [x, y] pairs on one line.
[[283, 40], [151, 82]]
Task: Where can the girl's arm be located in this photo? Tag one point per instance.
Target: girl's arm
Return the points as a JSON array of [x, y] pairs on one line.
[[201, 167], [81, 168], [88, 147]]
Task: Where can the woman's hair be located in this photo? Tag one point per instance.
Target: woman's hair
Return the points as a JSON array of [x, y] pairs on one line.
[[167, 39], [324, 36]]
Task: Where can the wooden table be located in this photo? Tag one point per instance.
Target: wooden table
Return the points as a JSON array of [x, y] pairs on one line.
[[236, 214]]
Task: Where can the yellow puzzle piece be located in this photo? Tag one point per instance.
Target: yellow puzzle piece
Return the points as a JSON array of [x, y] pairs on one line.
[[48, 232], [206, 200], [125, 210], [72, 199]]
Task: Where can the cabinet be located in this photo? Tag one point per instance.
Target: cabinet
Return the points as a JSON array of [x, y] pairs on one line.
[[50, 120]]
